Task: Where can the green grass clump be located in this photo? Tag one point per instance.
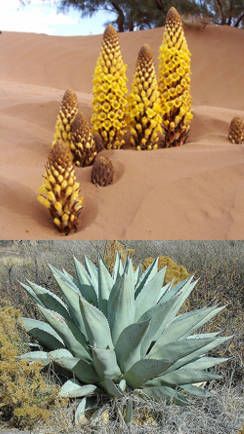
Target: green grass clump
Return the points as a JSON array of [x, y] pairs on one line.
[[26, 398]]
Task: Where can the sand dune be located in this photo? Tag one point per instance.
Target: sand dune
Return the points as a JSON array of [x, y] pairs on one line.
[[195, 192]]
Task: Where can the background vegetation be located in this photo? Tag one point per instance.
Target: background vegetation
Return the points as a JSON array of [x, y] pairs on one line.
[[142, 14]]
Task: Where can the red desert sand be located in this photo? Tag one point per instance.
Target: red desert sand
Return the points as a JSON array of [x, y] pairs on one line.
[[192, 192]]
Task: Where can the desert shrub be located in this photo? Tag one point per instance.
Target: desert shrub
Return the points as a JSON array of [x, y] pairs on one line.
[[26, 397]]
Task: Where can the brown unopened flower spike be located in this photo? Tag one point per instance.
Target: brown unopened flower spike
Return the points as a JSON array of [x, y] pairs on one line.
[[60, 192], [83, 145], [102, 171], [66, 115], [236, 131]]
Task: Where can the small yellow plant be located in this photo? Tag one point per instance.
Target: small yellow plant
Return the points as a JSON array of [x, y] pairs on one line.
[[174, 81], [60, 192], [25, 396], [174, 271], [68, 111], [144, 104], [83, 146], [110, 92]]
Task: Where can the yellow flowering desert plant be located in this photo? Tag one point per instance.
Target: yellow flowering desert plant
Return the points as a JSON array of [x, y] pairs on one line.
[[110, 92], [26, 397], [60, 192], [83, 145], [174, 81], [67, 112], [144, 105]]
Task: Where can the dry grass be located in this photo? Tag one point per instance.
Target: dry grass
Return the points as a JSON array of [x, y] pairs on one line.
[[220, 414]]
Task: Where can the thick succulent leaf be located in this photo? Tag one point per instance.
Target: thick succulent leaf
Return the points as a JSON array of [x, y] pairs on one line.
[[96, 324], [81, 369], [122, 385], [93, 273], [59, 354], [206, 362], [111, 388], [175, 289], [162, 393], [70, 278], [145, 370], [80, 411], [182, 326], [105, 284], [131, 271], [128, 346], [186, 376], [30, 292], [71, 294], [196, 391], [47, 299], [180, 297], [116, 267], [151, 293], [160, 316], [147, 275], [36, 356], [105, 364], [73, 389], [85, 372], [88, 291], [82, 274], [121, 305], [177, 349], [89, 294], [76, 345], [216, 341], [44, 333]]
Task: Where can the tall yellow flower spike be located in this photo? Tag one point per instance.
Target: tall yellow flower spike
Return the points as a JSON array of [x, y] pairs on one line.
[[110, 92], [60, 191], [144, 105], [83, 145], [174, 81], [68, 111]]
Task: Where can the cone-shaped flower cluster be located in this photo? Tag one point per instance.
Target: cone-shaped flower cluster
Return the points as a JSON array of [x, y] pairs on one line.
[[144, 105], [110, 92], [82, 146], [102, 171], [174, 81], [60, 191], [67, 113], [236, 131]]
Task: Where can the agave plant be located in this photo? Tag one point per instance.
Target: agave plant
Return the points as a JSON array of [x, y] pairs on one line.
[[120, 331]]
